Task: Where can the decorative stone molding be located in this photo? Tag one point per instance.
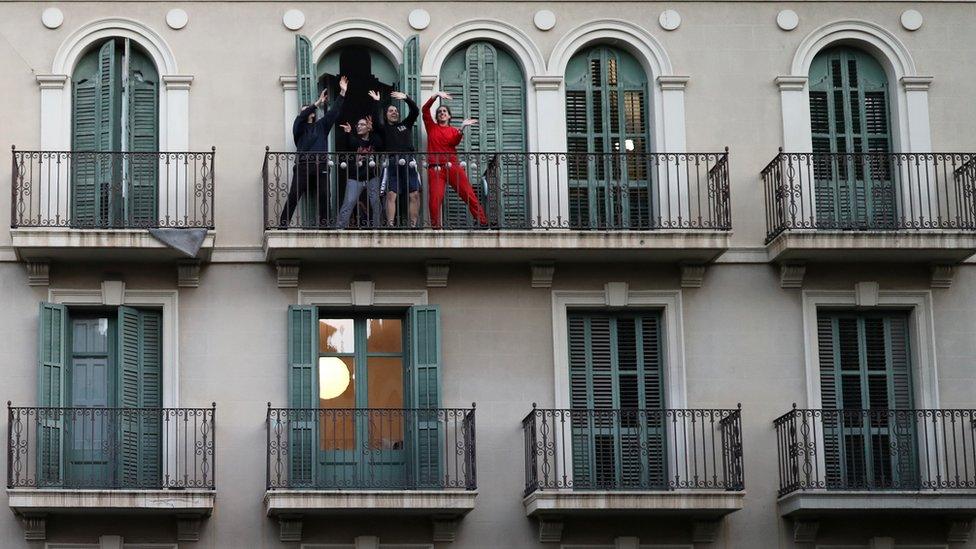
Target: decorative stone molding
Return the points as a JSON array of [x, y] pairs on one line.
[[35, 527], [445, 528], [428, 82], [615, 293], [113, 292], [547, 83], [51, 81], [669, 20], [866, 294], [550, 529], [544, 20], [791, 83], [960, 530], [188, 527], [293, 19], [177, 18], [705, 531], [437, 271], [289, 82], [942, 275], [673, 82], [542, 273], [52, 18], [626, 542], [363, 292], [911, 20], [916, 83], [692, 275], [787, 20], [288, 270], [419, 19], [791, 275], [290, 528], [38, 272], [177, 81], [805, 531], [188, 273]]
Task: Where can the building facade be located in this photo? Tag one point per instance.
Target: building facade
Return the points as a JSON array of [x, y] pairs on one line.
[[710, 285]]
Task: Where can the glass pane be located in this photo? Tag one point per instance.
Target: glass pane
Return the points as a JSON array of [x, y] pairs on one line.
[[336, 335], [337, 393], [385, 380], [384, 335]]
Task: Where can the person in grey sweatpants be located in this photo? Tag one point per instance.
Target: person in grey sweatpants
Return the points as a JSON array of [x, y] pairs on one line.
[[365, 173]]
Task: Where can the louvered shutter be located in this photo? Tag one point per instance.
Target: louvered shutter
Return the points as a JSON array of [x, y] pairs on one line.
[[52, 330], [510, 182], [143, 137], [829, 381], [424, 384], [140, 397], [303, 350], [410, 76], [849, 117], [304, 71], [616, 396]]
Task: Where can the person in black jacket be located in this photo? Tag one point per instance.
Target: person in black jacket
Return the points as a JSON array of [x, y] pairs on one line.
[[311, 174], [400, 175], [363, 172]]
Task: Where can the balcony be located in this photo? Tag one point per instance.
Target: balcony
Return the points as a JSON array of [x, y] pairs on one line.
[[881, 207], [102, 205], [575, 206], [145, 461], [370, 461], [588, 464], [877, 462]]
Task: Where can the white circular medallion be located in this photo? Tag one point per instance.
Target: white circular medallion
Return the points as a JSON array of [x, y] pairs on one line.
[[52, 18], [911, 20], [293, 19], [418, 19], [787, 20], [176, 18], [544, 20], [669, 20]]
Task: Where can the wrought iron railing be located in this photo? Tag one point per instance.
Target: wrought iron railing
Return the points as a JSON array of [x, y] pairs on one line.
[[111, 448], [112, 190], [371, 448], [878, 449], [650, 450], [870, 191], [516, 190]]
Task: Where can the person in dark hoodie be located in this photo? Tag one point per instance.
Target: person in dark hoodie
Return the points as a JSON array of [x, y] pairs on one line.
[[363, 172], [400, 175], [311, 163]]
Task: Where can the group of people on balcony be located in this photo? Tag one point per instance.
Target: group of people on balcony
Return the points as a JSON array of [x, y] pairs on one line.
[[382, 177]]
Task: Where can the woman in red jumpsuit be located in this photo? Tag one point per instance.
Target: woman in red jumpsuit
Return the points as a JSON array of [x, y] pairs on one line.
[[443, 167]]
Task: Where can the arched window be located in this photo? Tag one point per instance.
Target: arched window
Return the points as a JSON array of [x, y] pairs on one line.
[[607, 116], [487, 83], [115, 113], [851, 136]]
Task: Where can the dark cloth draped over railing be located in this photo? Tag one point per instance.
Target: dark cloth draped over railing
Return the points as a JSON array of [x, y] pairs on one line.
[[877, 449], [371, 448], [112, 190], [652, 450], [870, 191], [111, 448], [517, 190]]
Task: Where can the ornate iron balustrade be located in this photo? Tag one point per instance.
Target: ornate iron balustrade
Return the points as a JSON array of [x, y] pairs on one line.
[[371, 448], [877, 449], [517, 190], [112, 190], [870, 191], [649, 450], [111, 448]]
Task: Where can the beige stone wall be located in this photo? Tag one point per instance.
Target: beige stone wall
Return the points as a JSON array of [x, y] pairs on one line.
[[743, 338]]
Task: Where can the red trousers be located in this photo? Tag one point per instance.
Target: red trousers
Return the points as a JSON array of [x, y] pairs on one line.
[[437, 179]]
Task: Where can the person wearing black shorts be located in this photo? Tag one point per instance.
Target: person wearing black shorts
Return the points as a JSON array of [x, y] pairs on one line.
[[401, 175]]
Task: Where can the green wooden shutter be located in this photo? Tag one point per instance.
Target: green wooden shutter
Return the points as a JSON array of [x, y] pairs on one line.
[[607, 114], [52, 335], [849, 115], [615, 364], [143, 137], [410, 76], [303, 352], [96, 114], [424, 384], [304, 70], [140, 397]]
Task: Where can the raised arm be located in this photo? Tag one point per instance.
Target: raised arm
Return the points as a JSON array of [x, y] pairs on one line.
[[428, 119], [414, 112], [336, 109]]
